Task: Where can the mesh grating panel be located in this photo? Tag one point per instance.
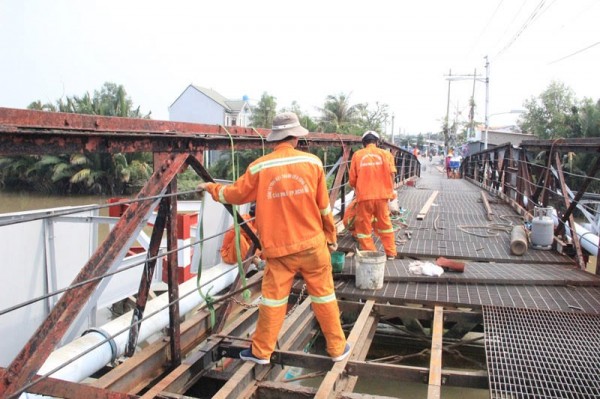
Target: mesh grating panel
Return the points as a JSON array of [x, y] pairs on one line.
[[542, 354]]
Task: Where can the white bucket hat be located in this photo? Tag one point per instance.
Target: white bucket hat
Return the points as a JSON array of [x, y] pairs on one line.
[[284, 125], [372, 133]]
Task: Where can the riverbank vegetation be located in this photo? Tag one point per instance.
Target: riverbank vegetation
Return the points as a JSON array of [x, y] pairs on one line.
[[555, 113]]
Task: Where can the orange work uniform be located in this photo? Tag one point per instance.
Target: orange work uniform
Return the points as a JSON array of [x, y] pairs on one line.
[[228, 252], [371, 175], [350, 216], [295, 223]]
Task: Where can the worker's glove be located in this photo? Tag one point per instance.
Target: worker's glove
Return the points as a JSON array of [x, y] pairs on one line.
[[394, 207], [332, 247], [201, 187]]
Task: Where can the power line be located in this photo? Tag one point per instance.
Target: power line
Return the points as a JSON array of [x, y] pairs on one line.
[[511, 22], [487, 25], [575, 53], [532, 17]]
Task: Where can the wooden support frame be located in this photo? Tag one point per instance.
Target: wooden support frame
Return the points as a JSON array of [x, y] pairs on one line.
[[435, 365], [327, 389]]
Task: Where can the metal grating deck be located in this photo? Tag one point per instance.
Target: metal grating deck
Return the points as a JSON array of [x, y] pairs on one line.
[[458, 203], [397, 270], [547, 297], [542, 354]]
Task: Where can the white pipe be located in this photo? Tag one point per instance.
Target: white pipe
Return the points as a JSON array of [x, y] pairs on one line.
[[587, 239], [223, 276]]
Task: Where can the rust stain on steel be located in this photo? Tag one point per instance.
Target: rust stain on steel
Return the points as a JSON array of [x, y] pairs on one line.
[[67, 389], [172, 281], [58, 120], [26, 364], [339, 176], [146, 278]]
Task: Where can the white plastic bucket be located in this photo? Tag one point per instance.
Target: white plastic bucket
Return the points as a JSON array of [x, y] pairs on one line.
[[370, 266]]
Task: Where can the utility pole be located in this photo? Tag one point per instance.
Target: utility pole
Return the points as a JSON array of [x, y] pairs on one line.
[[446, 127], [393, 129], [487, 102], [472, 110], [476, 78]]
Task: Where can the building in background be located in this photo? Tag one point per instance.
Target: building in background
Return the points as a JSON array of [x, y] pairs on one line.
[[201, 105]]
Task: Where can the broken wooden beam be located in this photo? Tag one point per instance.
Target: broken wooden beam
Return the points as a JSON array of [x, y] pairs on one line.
[[486, 205], [421, 215]]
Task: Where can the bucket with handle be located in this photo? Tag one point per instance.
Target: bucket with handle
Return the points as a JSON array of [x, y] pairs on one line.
[[370, 266], [337, 261]]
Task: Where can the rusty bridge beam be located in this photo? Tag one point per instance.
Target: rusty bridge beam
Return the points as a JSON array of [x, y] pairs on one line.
[[339, 175], [31, 357], [72, 390], [571, 219], [27, 132]]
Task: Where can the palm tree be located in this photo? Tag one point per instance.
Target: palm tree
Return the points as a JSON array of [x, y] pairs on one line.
[[91, 173], [338, 115]]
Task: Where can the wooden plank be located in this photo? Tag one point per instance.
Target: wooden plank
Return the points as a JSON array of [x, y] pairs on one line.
[[486, 205], [423, 212], [362, 350], [241, 383], [435, 363], [327, 387], [401, 373], [145, 366]]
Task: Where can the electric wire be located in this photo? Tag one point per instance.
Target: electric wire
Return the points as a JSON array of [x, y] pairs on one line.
[[532, 17], [485, 28], [575, 53], [86, 208]]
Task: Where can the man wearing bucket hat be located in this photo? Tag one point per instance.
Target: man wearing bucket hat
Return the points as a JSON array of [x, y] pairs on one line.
[[297, 234], [372, 172]]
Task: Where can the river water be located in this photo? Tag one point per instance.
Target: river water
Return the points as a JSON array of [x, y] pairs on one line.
[[22, 201]]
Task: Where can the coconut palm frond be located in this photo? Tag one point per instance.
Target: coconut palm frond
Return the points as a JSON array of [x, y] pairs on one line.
[[79, 159], [61, 171], [83, 176]]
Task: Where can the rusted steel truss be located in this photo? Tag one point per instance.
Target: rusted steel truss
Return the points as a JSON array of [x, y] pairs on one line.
[[507, 171], [175, 145]]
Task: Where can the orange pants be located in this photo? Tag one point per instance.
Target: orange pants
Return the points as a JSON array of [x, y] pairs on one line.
[[315, 266], [375, 214]]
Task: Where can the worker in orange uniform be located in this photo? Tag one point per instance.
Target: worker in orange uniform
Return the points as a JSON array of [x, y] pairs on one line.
[[297, 233], [228, 252], [372, 173], [350, 217]]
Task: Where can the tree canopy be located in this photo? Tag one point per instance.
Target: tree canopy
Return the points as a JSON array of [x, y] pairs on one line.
[[88, 172], [557, 113]]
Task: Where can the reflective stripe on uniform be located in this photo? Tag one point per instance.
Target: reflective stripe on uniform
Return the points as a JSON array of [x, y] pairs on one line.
[[362, 235], [387, 230], [282, 162], [325, 212], [323, 299], [222, 195], [273, 303]]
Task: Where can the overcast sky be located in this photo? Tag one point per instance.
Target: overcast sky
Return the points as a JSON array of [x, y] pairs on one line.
[[389, 51]]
